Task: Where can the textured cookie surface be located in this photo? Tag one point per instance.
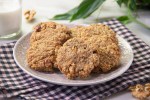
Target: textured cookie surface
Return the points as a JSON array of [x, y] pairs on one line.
[[44, 45], [104, 42], [94, 29], [76, 52], [48, 29], [76, 58], [41, 55], [107, 49]]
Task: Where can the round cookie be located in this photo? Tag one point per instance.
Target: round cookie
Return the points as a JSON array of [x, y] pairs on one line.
[[41, 56], [107, 49], [76, 59]]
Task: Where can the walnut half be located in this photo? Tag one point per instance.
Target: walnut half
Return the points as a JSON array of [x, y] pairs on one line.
[[29, 15], [141, 92]]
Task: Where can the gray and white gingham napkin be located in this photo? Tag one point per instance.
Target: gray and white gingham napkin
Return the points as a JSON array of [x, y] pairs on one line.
[[15, 82]]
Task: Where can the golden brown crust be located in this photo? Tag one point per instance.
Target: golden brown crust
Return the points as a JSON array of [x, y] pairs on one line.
[[48, 25], [108, 51], [104, 41], [48, 30], [40, 56], [76, 58], [94, 29], [44, 45]]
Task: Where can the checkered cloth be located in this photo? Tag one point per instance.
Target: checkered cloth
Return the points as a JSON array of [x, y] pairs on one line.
[[15, 82]]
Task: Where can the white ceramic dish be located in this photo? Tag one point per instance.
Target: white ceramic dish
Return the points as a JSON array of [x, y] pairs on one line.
[[57, 78]]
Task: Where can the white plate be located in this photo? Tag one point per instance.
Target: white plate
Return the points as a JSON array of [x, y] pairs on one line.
[[58, 78]]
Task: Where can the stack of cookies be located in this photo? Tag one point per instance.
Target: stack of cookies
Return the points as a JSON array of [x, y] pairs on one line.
[[76, 52]]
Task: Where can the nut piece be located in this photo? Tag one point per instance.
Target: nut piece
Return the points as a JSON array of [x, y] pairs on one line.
[[141, 92], [147, 88], [29, 15]]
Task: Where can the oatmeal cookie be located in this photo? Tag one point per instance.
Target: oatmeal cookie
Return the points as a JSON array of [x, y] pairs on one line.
[[41, 55], [108, 51], [44, 45], [104, 42], [76, 59]]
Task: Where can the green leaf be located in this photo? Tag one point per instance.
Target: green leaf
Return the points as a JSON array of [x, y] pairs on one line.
[[132, 5], [126, 2], [86, 8], [145, 1], [61, 17], [124, 19], [133, 18], [65, 16], [120, 2]]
